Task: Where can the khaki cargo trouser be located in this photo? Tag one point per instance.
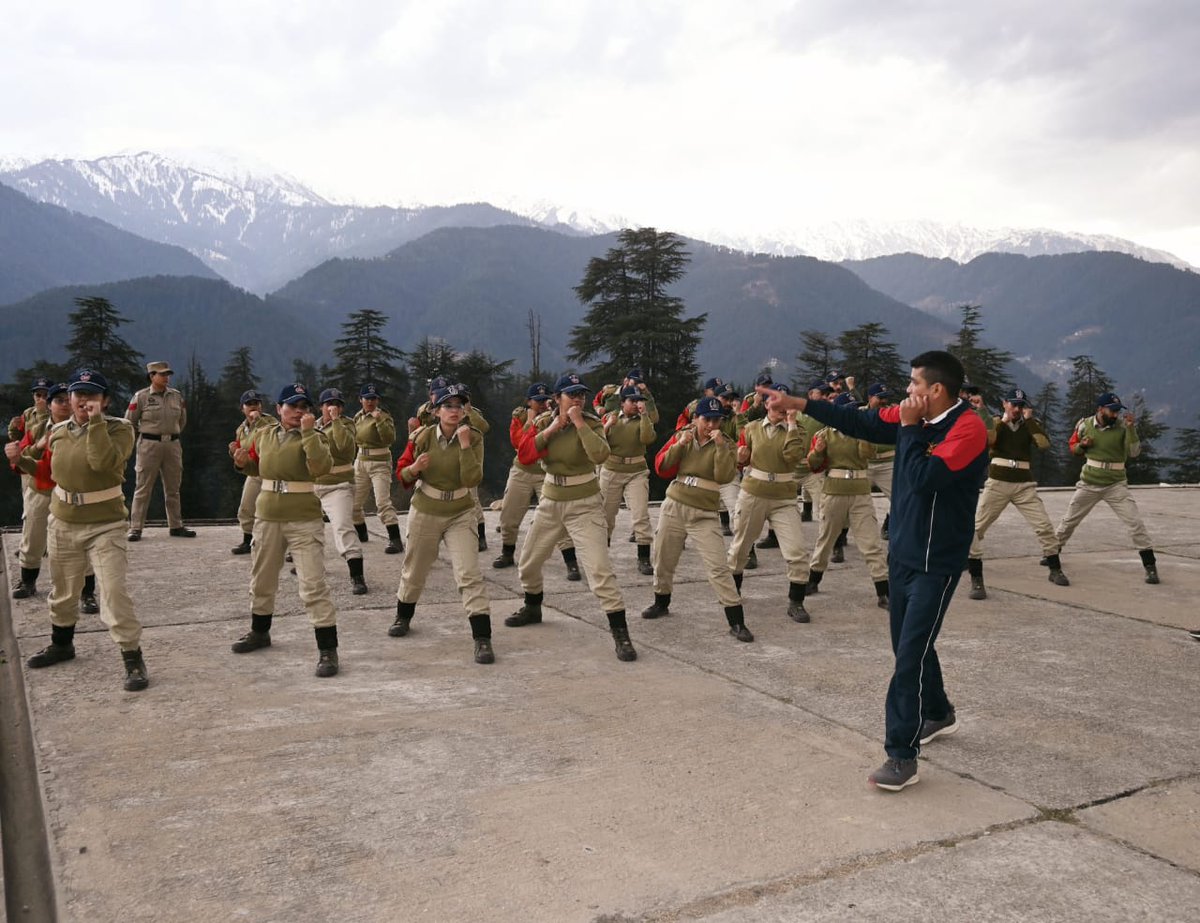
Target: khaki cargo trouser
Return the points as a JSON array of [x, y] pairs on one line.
[[880, 475], [425, 532], [677, 522], [779, 515], [156, 458], [374, 475], [583, 521], [76, 547], [729, 500], [522, 486], [858, 512], [812, 488], [1024, 496], [35, 511], [634, 486], [306, 541], [245, 515], [337, 501], [1118, 498]]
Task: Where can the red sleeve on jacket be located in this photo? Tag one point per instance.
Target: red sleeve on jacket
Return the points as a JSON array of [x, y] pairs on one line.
[[812, 448], [24, 443], [683, 419], [527, 450], [658, 461], [403, 462], [745, 408], [253, 451], [889, 414], [515, 429], [963, 443], [1074, 440]]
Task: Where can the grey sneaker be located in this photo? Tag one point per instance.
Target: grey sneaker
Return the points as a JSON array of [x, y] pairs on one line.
[[894, 774], [941, 728]]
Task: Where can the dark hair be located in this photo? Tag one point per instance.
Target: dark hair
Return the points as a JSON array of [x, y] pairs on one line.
[[940, 367]]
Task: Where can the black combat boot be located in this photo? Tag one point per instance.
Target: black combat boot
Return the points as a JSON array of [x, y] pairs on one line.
[[258, 636], [882, 592], [725, 530], [796, 610], [883, 529], [771, 541], [481, 632], [505, 559], [356, 577], [87, 598], [752, 560], [806, 511], [136, 677], [572, 564], [244, 547], [26, 586], [482, 536], [1057, 577], [975, 569], [1150, 563], [737, 582], [361, 529], [814, 581], [736, 618], [661, 607], [404, 615], [61, 647], [620, 633], [528, 614], [394, 545], [839, 548], [644, 566], [327, 655]]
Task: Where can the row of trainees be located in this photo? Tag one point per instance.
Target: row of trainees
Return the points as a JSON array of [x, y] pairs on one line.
[[766, 497]]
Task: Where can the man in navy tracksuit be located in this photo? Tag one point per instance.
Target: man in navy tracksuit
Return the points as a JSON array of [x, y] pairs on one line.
[[941, 462]]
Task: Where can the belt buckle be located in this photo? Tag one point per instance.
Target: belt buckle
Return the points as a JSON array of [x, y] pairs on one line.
[[280, 487], [771, 476], [75, 497], [560, 480], [689, 480], [447, 495]]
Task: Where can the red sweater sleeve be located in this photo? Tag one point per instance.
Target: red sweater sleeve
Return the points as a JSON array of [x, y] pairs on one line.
[[889, 414], [963, 443], [403, 462], [515, 429], [527, 450], [658, 461]]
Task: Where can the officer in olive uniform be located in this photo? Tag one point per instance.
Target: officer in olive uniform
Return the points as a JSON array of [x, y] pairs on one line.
[[624, 474], [768, 450], [1010, 480], [569, 442], [811, 482], [609, 397], [88, 453], [38, 411], [159, 415], [35, 504], [374, 432], [1106, 442], [289, 458], [253, 418], [335, 489], [699, 458], [443, 462]]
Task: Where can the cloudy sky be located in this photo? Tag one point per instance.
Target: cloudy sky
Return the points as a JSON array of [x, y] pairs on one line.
[[750, 116]]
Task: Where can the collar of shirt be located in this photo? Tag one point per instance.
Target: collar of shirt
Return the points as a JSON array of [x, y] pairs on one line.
[[941, 416], [1102, 424], [444, 441]]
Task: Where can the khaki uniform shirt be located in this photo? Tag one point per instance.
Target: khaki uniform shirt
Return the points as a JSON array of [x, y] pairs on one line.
[[88, 458], [342, 449], [844, 453], [628, 438], [774, 448], [372, 433], [159, 414], [709, 461], [278, 454], [1114, 443], [571, 452], [450, 468]]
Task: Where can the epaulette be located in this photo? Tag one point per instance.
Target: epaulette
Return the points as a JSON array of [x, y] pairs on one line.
[[544, 415]]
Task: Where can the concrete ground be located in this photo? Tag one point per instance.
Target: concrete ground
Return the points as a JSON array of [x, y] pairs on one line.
[[710, 780]]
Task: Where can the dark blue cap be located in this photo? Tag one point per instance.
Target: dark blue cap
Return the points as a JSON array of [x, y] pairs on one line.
[[632, 394], [332, 394], [249, 397], [294, 394], [570, 384], [1109, 401], [781, 388], [879, 389], [88, 380], [441, 395], [1017, 396], [834, 375], [538, 391], [369, 390], [709, 407], [726, 391], [764, 379], [42, 384], [635, 373], [59, 387], [714, 384], [436, 384]]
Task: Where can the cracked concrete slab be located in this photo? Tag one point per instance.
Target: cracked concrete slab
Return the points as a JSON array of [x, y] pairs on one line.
[[1163, 820]]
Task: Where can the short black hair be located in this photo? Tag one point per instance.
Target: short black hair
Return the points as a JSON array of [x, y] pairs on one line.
[[940, 367]]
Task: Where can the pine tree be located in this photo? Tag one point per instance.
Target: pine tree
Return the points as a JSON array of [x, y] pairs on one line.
[[237, 376], [1185, 467], [984, 365], [817, 357], [429, 359], [95, 344], [210, 488], [869, 357], [1144, 469], [364, 355], [1049, 464]]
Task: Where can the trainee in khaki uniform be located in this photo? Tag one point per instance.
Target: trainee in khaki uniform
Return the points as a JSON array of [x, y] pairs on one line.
[[335, 490], [752, 408], [700, 458], [88, 520], [609, 398], [35, 503], [1011, 481], [289, 458], [374, 432], [443, 461], [624, 473], [569, 444], [812, 483], [253, 418], [767, 451], [1106, 442], [425, 416], [846, 502], [159, 415], [34, 527], [882, 463], [731, 426], [524, 483]]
